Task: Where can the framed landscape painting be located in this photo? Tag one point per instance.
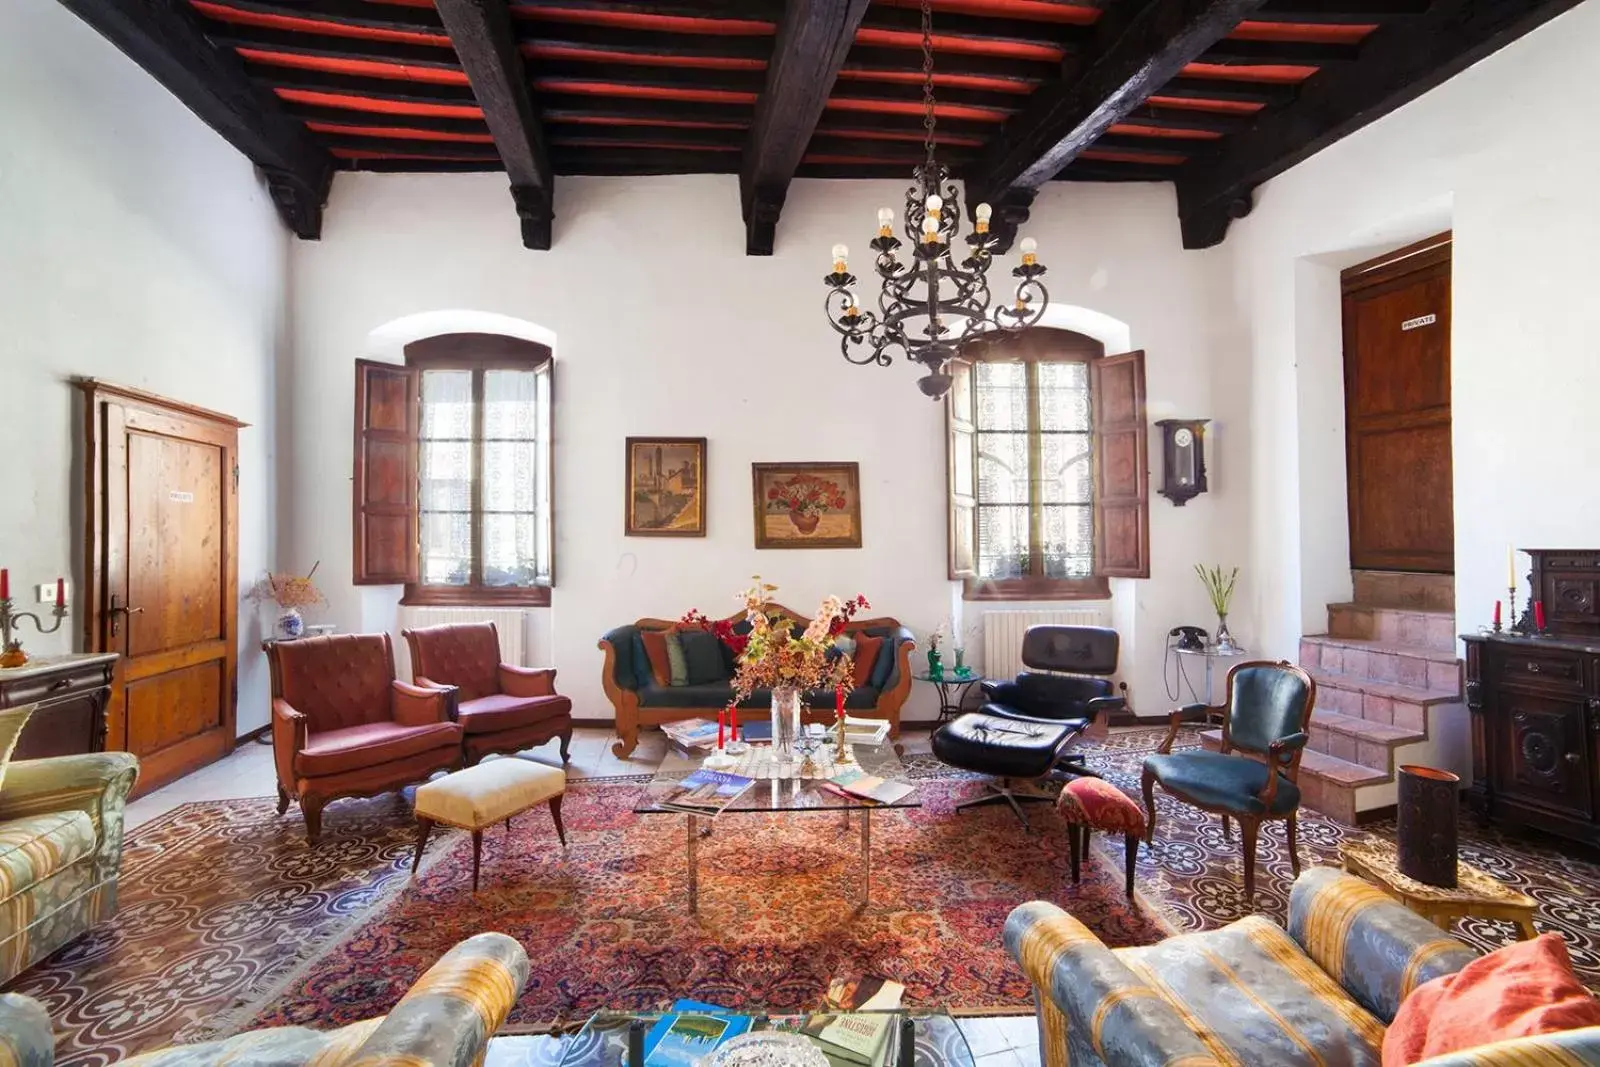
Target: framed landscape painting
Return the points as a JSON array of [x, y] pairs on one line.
[[807, 505], [666, 487]]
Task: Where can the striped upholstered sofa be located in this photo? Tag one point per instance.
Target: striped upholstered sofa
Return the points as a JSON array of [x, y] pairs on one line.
[[1252, 994], [60, 848], [445, 1020]]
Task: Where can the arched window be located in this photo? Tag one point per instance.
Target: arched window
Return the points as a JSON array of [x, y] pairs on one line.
[[453, 471], [1046, 434]]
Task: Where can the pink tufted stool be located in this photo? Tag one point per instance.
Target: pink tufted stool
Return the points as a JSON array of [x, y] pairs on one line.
[[1089, 804]]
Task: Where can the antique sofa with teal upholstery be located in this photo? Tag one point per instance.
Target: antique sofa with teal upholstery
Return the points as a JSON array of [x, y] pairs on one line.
[[444, 1020], [1323, 993], [60, 848], [639, 701]]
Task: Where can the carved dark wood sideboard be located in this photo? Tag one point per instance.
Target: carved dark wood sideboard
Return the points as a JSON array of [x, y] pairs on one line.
[[72, 693], [1535, 707]]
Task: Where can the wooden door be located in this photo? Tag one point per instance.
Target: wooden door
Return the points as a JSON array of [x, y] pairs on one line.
[[1397, 410], [163, 575]]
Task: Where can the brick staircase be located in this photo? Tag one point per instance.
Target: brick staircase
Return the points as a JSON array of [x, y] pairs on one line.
[[1388, 693]]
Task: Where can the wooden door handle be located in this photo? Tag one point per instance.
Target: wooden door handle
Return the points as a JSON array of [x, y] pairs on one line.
[[117, 612]]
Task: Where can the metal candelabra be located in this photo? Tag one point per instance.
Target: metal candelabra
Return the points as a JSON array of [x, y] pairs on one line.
[[11, 654]]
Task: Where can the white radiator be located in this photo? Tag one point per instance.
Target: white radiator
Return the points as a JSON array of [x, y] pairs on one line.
[[510, 623], [1003, 630]]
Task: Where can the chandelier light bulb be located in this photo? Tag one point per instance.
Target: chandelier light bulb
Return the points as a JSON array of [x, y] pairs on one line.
[[1030, 251], [841, 256], [885, 222], [982, 214], [934, 205]]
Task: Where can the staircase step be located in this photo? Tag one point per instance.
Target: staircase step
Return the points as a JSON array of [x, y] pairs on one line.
[[1367, 742], [1385, 702], [1384, 661], [1407, 626], [1405, 589], [1327, 784]]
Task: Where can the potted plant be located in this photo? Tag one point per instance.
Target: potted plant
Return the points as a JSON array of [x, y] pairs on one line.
[[290, 593], [1219, 587], [771, 655]]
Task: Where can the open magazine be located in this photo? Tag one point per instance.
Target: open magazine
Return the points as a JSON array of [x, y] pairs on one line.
[[858, 783]]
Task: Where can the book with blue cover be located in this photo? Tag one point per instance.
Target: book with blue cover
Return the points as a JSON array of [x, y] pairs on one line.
[[691, 1031], [706, 792]]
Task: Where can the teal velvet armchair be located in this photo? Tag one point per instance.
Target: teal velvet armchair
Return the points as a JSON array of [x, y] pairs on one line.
[[1266, 720], [1321, 994], [60, 849], [445, 1020]]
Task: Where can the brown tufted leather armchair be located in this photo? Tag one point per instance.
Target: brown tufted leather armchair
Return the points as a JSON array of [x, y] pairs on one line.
[[342, 726], [501, 708]]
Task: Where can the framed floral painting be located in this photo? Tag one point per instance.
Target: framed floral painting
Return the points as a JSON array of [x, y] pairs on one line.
[[666, 487], [807, 505]]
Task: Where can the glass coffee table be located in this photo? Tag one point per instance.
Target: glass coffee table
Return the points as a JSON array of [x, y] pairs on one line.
[[790, 796], [935, 1039]]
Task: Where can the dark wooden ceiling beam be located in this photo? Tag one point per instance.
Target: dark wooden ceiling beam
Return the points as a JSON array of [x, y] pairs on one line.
[[1232, 52], [1179, 118], [396, 90], [979, 29], [482, 33], [298, 43], [402, 146], [1025, 72], [536, 34], [338, 116], [551, 74], [1401, 61], [168, 41], [738, 10], [641, 161], [1340, 12], [1139, 46], [354, 13], [812, 40], [577, 134], [897, 127], [1100, 170], [424, 166]]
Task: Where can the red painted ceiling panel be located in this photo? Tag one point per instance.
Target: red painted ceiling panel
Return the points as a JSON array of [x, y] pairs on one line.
[[650, 120], [361, 153], [380, 107], [600, 55], [1164, 132], [635, 20], [669, 146], [954, 81], [1276, 73], [651, 92], [405, 132], [1037, 10], [899, 135], [914, 107], [1229, 107], [1301, 31], [969, 45], [361, 67], [1121, 156], [222, 13]]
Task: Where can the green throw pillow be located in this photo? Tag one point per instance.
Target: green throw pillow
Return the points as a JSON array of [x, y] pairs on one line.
[[680, 668], [12, 720], [703, 651]]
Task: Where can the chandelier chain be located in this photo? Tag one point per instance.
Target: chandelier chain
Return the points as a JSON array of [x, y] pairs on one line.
[[929, 119]]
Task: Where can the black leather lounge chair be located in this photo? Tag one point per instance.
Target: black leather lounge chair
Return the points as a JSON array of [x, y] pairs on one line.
[[1021, 734]]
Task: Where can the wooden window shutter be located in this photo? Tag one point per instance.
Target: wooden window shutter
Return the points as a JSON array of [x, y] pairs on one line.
[[962, 464], [1121, 467], [385, 478]]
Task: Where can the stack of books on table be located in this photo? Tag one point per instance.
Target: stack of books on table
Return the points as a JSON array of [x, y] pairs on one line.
[[705, 792], [859, 783], [692, 733], [865, 731]]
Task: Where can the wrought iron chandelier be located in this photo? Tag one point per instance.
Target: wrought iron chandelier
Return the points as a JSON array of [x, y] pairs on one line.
[[930, 307]]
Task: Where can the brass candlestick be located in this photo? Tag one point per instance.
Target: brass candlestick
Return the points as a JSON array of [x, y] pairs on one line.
[[842, 755], [11, 654]]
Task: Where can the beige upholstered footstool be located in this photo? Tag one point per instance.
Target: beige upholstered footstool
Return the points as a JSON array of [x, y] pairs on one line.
[[481, 796]]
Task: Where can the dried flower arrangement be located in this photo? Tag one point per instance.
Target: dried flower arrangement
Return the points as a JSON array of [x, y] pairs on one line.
[[288, 590]]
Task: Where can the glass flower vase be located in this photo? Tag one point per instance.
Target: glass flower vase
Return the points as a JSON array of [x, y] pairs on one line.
[[785, 724]]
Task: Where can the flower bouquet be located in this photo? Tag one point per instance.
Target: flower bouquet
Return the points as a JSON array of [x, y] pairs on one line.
[[290, 593], [771, 654]]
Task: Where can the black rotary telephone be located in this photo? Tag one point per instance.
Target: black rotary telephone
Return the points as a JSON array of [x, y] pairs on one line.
[[1189, 638]]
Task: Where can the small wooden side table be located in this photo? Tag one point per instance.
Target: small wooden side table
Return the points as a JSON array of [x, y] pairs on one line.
[[1477, 894]]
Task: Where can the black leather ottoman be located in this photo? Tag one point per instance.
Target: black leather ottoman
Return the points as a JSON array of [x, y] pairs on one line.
[[1012, 749]]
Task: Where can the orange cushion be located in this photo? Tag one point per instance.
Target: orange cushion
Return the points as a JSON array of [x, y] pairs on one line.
[[655, 647], [1097, 803], [1521, 990], [867, 649]]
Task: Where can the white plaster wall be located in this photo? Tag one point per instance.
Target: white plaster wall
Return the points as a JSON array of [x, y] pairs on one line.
[[1517, 186], [663, 326], [138, 247]]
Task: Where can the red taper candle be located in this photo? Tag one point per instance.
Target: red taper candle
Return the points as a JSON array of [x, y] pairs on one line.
[[1538, 614], [1497, 614], [61, 592], [5, 584], [838, 699], [722, 722]]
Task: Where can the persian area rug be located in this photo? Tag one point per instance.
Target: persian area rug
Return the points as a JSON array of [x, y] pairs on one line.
[[229, 919], [606, 923]]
